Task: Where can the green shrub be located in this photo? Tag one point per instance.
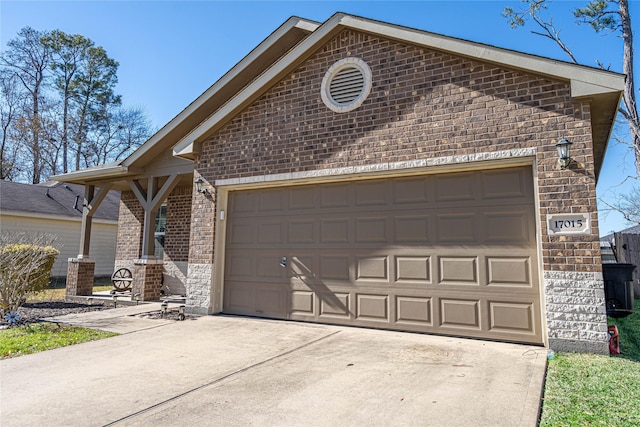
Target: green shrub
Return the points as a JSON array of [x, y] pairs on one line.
[[24, 270]]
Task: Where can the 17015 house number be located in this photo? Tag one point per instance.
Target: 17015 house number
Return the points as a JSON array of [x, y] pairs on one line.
[[568, 223]]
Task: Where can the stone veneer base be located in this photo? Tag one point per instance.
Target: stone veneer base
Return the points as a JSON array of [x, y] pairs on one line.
[[576, 314], [198, 287]]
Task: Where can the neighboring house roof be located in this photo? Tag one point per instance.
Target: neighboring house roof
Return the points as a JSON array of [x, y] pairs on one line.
[[631, 230], [297, 39], [53, 198]]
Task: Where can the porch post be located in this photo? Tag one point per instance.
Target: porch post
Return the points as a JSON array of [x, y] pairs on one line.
[[147, 271], [80, 270], [151, 199]]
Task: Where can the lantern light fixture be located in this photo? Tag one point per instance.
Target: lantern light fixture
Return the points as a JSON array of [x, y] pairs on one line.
[[200, 186], [563, 147]]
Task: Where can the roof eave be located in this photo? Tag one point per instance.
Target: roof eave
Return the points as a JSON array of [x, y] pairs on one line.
[[104, 172]]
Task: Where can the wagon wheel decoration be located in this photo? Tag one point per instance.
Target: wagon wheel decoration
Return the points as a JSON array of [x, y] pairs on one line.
[[122, 279]]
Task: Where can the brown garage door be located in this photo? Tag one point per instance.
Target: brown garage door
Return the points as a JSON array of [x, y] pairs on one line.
[[449, 253]]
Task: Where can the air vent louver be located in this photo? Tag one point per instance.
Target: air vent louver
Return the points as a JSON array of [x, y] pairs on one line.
[[346, 85]]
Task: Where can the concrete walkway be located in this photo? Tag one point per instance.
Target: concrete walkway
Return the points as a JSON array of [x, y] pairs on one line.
[[234, 371]]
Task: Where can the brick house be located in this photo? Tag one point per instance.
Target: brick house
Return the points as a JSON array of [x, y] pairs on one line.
[[361, 173]]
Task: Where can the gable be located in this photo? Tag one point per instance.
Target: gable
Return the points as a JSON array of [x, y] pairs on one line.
[[421, 101], [601, 88]]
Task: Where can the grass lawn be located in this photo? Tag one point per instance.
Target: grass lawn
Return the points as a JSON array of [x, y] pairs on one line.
[[592, 390], [37, 337]]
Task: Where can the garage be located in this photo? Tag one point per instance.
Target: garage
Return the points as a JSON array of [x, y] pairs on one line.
[[451, 253]]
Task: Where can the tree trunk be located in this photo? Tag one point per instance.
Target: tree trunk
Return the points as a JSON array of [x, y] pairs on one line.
[[629, 96], [35, 131]]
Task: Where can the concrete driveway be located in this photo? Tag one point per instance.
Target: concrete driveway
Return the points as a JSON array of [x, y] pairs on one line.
[[235, 371]]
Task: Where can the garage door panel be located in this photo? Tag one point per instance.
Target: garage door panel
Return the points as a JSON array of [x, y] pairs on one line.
[[303, 266], [334, 267], [411, 190], [415, 269], [415, 311], [302, 303], [334, 230], [334, 305], [240, 298], [302, 199], [372, 307], [268, 266], [511, 317], [372, 193], [372, 268], [335, 196], [455, 187], [507, 183], [271, 200], [507, 227], [460, 313], [269, 233], [509, 271], [458, 271], [301, 231], [456, 228], [270, 302], [240, 233], [243, 203], [411, 229], [452, 254], [372, 230], [240, 265]]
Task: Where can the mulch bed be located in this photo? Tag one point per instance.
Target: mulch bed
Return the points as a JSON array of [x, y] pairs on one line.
[[34, 311], [41, 310]]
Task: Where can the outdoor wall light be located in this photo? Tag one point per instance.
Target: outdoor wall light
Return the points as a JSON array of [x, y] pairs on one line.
[[563, 152], [199, 186]]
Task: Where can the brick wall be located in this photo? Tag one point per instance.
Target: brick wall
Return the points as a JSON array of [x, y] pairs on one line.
[[80, 275], [130, 220], [422, 104], [176, 237]]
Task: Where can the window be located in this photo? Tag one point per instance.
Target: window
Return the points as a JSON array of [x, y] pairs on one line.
[[161, 226]]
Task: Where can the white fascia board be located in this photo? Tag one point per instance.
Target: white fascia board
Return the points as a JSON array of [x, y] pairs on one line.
[[83, 175], [585, 81], [38, 215], [293, 22], [589, 80]]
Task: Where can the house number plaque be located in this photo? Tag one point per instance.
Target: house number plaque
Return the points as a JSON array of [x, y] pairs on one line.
[[579, 223]]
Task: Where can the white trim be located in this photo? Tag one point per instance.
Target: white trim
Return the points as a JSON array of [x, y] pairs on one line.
[[382, 167]]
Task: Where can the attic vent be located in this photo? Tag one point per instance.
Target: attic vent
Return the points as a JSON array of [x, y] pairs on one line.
[[346, 85]]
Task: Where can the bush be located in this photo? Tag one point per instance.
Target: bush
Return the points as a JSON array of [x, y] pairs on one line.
[[24, 268]]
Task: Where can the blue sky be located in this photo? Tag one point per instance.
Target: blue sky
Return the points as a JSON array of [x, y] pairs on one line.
[[170, 52]]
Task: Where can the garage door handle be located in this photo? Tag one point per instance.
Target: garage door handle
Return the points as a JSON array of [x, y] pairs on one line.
[[283, 263]]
